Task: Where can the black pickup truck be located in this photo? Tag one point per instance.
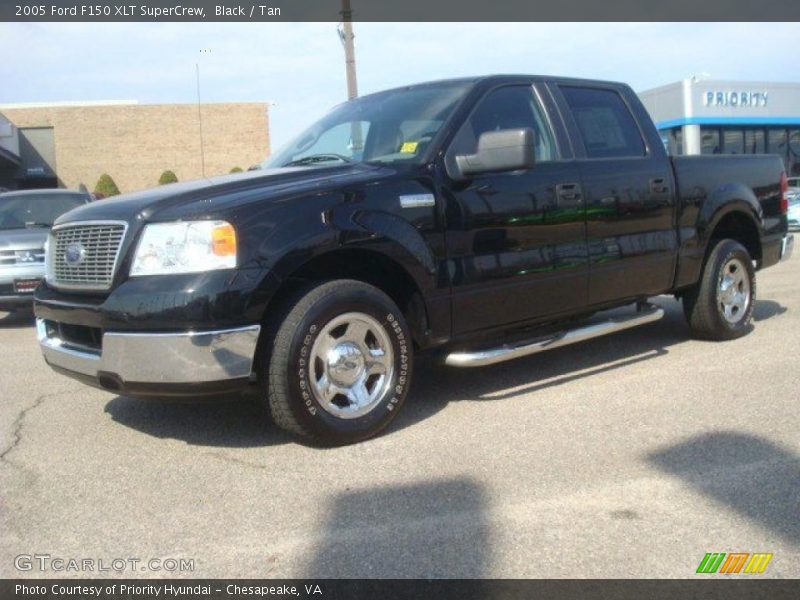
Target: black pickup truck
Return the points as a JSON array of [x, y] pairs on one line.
[[476, 219]]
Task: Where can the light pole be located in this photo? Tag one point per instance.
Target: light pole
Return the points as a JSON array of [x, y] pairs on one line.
[[200, 115]]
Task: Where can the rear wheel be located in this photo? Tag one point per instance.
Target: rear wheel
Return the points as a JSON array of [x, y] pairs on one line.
[[339, 365], [720, 307]]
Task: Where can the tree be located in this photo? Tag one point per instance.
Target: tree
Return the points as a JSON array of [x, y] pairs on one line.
[[106, 187], [167, 177], [236, 170]]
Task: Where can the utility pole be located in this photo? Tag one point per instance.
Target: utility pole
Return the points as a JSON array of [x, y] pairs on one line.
[[347, 36]]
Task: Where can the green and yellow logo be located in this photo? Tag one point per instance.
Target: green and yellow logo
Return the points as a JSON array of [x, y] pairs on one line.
[[734, 562]]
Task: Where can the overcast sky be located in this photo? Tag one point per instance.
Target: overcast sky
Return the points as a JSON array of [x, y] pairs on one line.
[[300, 66]]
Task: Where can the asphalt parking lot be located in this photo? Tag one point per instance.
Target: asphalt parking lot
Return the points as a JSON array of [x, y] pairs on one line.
[[626, 456]]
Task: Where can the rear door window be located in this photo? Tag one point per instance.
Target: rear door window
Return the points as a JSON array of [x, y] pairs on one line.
[[606, 125]]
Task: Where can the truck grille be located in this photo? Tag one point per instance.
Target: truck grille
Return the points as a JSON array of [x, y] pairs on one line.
[[84, 256]]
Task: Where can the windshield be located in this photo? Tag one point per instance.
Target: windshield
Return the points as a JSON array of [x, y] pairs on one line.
[[30, 210], [389, 127]]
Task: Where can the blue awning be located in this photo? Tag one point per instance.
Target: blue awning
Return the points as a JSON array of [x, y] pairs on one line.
[[741, 121]]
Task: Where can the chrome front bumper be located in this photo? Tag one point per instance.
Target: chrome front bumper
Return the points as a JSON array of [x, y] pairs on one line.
[[787, 246], [155, 358]]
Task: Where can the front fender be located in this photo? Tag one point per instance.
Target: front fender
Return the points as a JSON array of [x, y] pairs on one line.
[[307, 237]]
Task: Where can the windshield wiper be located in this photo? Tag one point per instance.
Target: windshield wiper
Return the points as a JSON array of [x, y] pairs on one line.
[[317, 158]]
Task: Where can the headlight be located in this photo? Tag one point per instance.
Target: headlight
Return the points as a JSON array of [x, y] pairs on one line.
[[185, 247]]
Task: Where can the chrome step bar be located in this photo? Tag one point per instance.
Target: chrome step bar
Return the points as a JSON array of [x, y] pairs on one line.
[[490, 356]]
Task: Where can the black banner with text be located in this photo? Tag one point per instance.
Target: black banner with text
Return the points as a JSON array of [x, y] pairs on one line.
[[398, 10], [391, 589]]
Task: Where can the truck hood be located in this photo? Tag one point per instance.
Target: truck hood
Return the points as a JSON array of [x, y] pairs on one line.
[[23, 239], [202, 198]]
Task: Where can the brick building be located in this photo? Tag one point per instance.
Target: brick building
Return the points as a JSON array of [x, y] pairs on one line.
[[73, 144]]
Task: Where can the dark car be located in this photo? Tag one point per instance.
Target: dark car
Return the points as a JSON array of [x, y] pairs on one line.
[[25, 220], [475, 219]]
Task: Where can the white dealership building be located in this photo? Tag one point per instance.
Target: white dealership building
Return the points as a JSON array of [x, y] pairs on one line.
[[710, 116]]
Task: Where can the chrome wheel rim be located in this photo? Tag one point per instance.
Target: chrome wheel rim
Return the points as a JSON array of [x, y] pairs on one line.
[[734, 291], [352, 363]]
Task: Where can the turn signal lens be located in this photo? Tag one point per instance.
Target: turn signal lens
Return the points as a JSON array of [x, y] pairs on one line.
[[223, 240]]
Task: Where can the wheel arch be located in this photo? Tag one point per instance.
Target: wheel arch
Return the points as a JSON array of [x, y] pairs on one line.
[[736, 222], [732, 212], [375, 266]]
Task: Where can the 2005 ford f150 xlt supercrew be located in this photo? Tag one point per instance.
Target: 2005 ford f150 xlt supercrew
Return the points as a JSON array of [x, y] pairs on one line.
[[477, 219]]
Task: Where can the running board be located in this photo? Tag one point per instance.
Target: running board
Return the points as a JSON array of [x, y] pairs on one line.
[[491, 356]]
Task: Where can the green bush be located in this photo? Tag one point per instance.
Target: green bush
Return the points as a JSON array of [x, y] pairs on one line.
[[167, 177], [106, 187], [236, 170]]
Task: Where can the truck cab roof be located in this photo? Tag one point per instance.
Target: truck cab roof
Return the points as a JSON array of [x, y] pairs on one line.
[[499, 79]]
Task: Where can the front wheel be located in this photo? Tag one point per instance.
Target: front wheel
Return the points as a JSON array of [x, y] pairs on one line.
[[720, 307], [340, 363]]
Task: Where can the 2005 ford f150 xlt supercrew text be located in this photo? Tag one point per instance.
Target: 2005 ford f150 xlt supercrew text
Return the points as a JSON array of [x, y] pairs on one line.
[[476, 219]]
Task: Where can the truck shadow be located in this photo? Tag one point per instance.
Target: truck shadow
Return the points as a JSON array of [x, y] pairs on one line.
[[754, 477], [766, 309], [429, 529], [239, 422], [435, 386], [233, 422]]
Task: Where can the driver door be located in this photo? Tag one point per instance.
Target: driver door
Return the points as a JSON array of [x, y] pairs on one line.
[[516, 241]]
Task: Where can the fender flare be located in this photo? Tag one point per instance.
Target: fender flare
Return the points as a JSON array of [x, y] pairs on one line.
[[377, 232], [723, 201], [728, 199]]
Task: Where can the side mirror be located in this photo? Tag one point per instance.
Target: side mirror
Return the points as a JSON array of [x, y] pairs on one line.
[[504, 150]]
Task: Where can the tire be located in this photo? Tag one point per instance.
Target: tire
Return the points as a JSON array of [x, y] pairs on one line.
[[339, 365], [720, 307]]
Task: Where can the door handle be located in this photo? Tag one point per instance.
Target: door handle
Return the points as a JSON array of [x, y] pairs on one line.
[[569, 191], [659, 186]]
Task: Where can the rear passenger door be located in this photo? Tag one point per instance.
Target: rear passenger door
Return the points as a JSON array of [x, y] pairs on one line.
[[628, 189]]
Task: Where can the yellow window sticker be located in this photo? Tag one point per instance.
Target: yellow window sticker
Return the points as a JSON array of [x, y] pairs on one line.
[[409, 147]]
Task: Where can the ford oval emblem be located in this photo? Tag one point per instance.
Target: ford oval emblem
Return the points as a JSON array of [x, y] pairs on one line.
[[74, 254]]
